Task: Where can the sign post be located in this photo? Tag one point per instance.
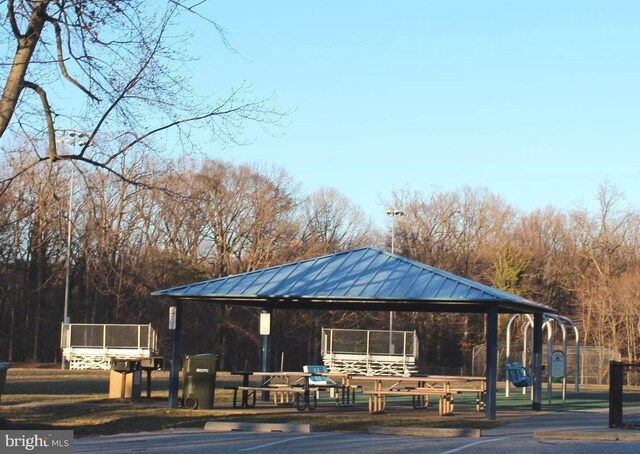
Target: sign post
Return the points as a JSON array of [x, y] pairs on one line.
[[175, 320]]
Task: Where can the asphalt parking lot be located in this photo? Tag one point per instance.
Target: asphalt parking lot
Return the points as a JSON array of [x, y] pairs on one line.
[[570, 432]]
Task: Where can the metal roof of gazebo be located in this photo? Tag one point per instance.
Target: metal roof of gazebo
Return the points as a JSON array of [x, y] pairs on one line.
[[359, 279]]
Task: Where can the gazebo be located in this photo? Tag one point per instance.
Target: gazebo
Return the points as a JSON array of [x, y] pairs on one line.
[[364, 279]]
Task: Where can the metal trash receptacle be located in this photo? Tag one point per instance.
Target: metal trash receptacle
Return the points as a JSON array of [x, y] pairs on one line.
[[125, 379], [199, 380], [3, 376]]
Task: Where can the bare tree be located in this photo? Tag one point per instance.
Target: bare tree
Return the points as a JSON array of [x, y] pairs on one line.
[[461, 232], [607, 244], [627, 295], [458, 231], [30, 253], [117, 69], [331, 222], [543, 239]]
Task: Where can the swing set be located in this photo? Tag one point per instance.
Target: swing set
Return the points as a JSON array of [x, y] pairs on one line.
[[519, 375]]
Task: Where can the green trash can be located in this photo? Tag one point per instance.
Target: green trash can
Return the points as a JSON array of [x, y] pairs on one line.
[[3, 376], [199, 380]]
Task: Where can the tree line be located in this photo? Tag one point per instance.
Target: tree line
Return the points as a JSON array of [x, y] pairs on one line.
[[203, 219], [208, 218], [583, 262]]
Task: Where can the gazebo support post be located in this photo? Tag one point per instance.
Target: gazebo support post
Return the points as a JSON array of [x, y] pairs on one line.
[[492, 363], [174, 372], [536, 364]]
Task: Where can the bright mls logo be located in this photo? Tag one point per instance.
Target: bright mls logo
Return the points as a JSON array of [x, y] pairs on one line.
[[36, 441]]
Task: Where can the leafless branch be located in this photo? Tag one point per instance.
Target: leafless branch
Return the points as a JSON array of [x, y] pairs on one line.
[[12, 19], [128, 87], [221, 31], [6, 182], [47, 115], [61, 64]]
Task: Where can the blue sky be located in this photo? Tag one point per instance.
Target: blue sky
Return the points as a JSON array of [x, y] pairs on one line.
[[537, 101]]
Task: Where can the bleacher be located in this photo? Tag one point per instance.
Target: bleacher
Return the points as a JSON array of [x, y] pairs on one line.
[[93, 346], [370, 352]]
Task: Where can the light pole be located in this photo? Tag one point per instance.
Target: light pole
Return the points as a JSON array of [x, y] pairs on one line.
[[72, 138], [393, 213]]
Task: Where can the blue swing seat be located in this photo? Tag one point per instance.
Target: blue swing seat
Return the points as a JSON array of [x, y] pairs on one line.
[[519, 376]]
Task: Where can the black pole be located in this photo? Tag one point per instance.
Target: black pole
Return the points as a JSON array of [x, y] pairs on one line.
[[615, 393], [536, 363], [175, 322], [492, 363]]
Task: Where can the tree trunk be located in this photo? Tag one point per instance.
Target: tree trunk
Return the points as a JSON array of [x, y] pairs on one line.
[[26, 46]]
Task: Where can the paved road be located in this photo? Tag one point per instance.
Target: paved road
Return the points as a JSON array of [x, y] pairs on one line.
[[283, 443], [514, 437]]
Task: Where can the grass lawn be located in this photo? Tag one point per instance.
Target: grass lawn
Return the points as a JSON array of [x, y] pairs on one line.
[[78, 400]]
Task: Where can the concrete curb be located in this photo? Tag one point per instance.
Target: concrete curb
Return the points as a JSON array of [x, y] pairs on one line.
[[425, 432], [587, 436], [215, 426]]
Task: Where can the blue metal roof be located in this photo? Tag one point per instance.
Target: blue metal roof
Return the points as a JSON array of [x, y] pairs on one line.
[[351, 278]]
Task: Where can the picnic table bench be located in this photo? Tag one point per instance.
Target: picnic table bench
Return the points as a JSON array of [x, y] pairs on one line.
[[419, 399], [480, 396], [281, 394]]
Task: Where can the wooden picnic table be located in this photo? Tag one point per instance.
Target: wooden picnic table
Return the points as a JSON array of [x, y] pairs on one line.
[[420, 388], [278, 380], [285, 386], [291, 387]]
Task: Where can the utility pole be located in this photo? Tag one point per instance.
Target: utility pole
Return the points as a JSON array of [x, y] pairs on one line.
[[393, 213], [73, 138]]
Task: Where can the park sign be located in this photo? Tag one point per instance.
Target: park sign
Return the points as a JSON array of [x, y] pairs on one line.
[[557, 364], [265, 323], [172, 317]]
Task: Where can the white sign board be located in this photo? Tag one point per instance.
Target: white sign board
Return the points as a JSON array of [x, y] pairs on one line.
[[172, 317], [557, 364], [265, 323]]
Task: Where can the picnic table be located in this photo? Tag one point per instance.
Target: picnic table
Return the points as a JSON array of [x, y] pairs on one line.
[[297, 388], [421, 388], [286, 387]]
